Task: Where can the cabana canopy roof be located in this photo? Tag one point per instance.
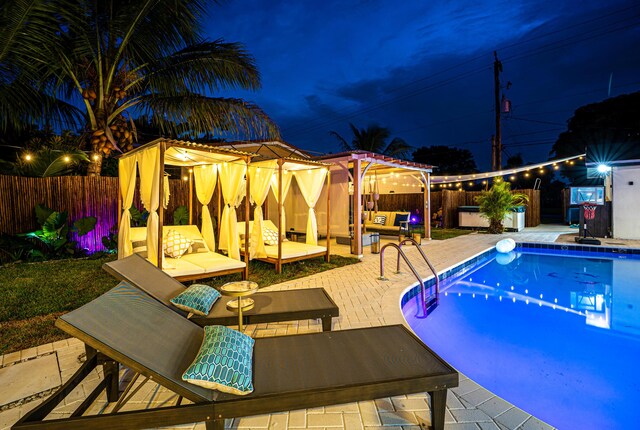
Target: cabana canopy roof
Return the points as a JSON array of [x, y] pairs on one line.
[[379, 161], [267, 149], [185, 153]]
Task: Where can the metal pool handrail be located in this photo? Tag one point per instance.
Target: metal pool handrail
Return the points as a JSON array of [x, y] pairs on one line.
[[426, 260], [413, 270]]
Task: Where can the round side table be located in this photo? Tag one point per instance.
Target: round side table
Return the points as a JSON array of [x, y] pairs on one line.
[[241, 290]]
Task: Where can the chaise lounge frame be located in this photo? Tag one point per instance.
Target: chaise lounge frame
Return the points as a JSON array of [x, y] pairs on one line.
[[289, 372], [271, 306]]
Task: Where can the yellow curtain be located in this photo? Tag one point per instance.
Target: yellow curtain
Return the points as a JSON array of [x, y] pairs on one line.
[[127, 179], [167, 191], [286, 184], [260, 181], [231, 183], [149, 167], [310, 183], [205, 178]]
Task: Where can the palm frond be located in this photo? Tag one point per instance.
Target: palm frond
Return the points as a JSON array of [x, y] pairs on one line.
[[205, 66], [343, 143], [398, 148], [199, 115]]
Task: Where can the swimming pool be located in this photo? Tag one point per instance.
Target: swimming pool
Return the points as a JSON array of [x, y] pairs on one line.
[[556, 334]]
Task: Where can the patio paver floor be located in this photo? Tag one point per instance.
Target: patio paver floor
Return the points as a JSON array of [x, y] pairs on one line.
[[364, 301]]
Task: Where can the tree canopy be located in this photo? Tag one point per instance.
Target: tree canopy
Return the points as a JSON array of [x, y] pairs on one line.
[[606, 127], [448, 160], [96, 64], [374, 139]]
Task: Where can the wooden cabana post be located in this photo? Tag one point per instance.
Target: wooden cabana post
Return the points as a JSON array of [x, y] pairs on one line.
[[245, 274], [190, 171], [162, 148], [357, 208], [280, 202], [327, 258]]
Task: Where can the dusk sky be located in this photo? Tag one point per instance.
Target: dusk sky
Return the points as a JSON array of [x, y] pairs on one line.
[[424, 69]]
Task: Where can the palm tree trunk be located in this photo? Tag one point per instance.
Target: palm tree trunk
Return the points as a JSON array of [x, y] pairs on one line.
[[95, 165]]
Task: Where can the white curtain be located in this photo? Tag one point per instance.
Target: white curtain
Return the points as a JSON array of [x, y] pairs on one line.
[[127, 179], [286, 184], [260, 181], [231, 183], [149, 167], [310, 183], [205, 178]]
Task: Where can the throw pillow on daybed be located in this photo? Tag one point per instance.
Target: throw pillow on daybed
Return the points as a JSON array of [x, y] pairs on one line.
[[380, 219], [270, 236], [175, 244], [197, 299], [223, 362]]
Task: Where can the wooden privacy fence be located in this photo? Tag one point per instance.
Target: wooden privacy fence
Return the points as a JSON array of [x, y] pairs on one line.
[[449, 202], [80, 196]]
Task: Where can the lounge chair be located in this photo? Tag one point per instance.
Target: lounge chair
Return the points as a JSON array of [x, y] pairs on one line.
[[289, 372], [272, 306]]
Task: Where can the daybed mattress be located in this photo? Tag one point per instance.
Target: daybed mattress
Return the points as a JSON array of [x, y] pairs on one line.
[[293, 250]]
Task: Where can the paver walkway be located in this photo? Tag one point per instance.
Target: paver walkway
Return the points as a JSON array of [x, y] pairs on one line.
[[364, 301]]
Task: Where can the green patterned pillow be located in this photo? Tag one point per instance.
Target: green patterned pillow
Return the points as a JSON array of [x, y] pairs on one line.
[[198, 299], [224, 362]]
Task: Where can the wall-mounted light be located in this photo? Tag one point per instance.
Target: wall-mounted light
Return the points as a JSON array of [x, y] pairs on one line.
[[603, 169]]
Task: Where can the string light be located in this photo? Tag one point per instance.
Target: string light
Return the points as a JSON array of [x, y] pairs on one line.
[[185, 178], [95, 157], [27, 157], [66, 159]]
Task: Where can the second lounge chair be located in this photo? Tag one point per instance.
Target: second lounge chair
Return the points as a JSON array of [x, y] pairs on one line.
[[271, 306]]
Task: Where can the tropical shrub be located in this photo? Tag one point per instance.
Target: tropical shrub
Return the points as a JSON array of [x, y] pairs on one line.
[[53, 236], [496, 203]]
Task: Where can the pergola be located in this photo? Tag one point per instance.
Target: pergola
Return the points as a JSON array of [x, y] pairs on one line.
[[359, 164], [209, 166]]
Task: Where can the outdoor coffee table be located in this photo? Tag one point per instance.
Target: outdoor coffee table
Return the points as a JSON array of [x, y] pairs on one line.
[[241, 290]]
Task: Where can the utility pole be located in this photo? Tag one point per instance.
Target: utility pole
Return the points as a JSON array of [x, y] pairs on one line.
[[496, 147]]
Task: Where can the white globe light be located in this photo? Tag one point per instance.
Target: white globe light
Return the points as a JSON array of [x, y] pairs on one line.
[[505, 245]]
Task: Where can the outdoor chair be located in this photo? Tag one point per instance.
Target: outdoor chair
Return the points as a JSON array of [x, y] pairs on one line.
[[127, 326], [271, 306]]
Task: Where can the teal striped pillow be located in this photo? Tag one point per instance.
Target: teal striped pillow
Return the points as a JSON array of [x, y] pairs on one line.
[[224, 362], [197, 299]]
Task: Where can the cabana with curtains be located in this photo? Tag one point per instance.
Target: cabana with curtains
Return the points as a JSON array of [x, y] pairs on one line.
[[267, 238], [185, 252]]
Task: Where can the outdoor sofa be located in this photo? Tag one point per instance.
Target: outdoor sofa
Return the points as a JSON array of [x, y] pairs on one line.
[[127, 326], [392, 224], [271, 306]]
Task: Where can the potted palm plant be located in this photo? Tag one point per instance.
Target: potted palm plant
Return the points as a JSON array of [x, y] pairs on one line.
[[497, 202]]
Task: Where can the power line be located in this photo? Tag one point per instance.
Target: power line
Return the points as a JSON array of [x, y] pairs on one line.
[[298, 130]]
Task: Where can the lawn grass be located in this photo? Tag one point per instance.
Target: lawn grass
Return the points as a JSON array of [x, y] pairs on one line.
[[33, 295], [442, 233], [448, 233]]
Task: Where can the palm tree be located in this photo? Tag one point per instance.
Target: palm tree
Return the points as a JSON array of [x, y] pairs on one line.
[[118, 59], [374, 139], [496, 203]]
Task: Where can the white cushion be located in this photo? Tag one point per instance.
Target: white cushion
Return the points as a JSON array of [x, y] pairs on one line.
[[175, 244], [212, 261]]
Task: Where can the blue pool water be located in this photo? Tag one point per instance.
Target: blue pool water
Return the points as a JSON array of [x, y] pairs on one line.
[[556, 335]]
